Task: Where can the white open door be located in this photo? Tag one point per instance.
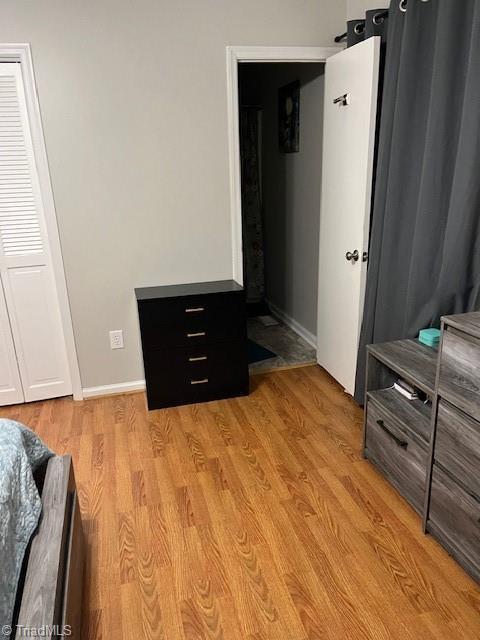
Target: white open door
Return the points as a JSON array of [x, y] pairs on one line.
[[351, 88], [29, 306]]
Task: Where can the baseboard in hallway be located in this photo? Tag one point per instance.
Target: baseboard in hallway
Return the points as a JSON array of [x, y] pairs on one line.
[[290, 322]]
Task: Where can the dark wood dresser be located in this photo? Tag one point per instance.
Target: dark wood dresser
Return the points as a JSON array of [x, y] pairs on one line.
[[429, 447], [194, 342]]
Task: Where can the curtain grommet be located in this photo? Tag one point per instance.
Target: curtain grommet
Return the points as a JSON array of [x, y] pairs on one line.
[[378, 20], [359, 28], [403, 6]]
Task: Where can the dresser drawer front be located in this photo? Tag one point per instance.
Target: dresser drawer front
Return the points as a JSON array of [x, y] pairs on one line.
[[191, 321], [457, 445], [399, 457], [196, 332], [455, 516], [196, 374], [459, 380], [208, 309]]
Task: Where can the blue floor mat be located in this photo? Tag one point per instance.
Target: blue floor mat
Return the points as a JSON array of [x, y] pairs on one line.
[[257, 353]]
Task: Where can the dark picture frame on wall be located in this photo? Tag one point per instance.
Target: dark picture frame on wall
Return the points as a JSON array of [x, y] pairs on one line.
[[289, 117]]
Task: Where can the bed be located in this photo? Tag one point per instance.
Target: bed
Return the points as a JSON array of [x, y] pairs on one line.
[[49, 589]]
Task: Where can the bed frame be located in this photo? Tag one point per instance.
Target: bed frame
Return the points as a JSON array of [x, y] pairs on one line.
[[50, 594]]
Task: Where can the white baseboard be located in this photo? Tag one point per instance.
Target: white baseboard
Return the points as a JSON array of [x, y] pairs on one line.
[[111, 389], [307, 335]]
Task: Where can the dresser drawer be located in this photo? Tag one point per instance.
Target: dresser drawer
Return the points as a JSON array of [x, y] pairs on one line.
[[454, 518], [459, 380], [457, 445], [193, 333], [191, 329], [195, 374], [402, 460], [208, 309], [192, 321]]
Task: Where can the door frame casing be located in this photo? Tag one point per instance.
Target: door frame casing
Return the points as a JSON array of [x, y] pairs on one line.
[[235, 55], [21, 52]]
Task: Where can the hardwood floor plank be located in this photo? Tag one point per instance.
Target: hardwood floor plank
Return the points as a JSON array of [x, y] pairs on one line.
[[243, 602], [207, 606], [215, 563], [328, 573], [126, 548], [192, 624], [169, 604], [304, 603], [152, 627], [131, 610], [158, 537]]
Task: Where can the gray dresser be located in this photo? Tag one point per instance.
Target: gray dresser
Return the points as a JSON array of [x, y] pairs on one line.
[[429, 448], [452, 505]]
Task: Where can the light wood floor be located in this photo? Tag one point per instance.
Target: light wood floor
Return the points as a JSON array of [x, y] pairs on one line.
[[253, 518]]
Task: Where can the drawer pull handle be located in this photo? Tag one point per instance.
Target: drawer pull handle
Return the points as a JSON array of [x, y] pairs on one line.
[[398, 442], [196, 335], [197, 359], [204, 381], [195, 310]]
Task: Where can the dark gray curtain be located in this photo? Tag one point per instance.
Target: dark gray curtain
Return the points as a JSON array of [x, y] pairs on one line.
[[373, 23], [253, 260], [424, 256]]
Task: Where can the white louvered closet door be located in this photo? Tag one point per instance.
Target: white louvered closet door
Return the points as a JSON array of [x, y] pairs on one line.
[[11, 391], [26, 270]]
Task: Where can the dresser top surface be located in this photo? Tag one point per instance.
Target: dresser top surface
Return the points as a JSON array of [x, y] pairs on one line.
[[468, 322], [192, 289]]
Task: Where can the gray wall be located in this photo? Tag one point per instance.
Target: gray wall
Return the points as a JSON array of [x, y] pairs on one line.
[[133, 100], [291, 189], [357, 8]]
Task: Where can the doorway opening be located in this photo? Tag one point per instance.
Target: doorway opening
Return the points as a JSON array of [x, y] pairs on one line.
[[281, 131], [344, 175]]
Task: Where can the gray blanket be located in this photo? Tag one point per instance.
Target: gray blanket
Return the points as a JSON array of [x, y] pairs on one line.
[[21, 452]]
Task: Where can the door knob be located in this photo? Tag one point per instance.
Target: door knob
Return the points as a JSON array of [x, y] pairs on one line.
[[352, 256]]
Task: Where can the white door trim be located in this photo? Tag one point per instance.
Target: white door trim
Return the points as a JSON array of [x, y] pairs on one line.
[[21, 53], [236, 54]]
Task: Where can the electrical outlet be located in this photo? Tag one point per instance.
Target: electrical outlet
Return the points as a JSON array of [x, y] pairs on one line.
[[116, 339]]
